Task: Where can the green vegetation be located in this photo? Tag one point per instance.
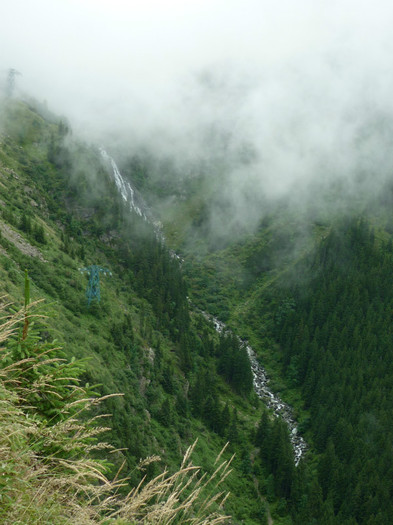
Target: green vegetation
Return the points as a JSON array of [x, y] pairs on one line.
[[311, 292], [142, 340], [336, 343], [49, 466]]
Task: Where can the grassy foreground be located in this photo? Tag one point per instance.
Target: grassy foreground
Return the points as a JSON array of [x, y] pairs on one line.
[[49, 448]]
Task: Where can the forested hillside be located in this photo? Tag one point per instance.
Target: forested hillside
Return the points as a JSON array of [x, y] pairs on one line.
[[310, 292], [336, 343], [60, 212]]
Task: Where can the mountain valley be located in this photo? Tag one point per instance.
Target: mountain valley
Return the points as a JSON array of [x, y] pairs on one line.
[[307, 286]]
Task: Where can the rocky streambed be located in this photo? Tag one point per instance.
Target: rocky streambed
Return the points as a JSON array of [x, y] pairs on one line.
[[271, 399]]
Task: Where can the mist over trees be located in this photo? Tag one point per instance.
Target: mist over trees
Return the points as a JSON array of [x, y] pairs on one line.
[[261, 136]]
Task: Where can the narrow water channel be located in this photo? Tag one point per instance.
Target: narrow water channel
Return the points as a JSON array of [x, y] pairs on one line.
[[271, 399]]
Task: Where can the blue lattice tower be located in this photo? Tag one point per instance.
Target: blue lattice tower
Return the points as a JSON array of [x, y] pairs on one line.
[[93, 286]]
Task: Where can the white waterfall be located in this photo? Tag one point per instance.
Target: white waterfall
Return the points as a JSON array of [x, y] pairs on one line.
[[124, 187], [131, 195]]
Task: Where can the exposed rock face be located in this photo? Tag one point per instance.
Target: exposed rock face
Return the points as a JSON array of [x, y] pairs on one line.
[[17, 240]]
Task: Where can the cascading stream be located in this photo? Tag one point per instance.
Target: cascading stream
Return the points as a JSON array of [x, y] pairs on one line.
[[271, 400], [260, 379], [131, 196]]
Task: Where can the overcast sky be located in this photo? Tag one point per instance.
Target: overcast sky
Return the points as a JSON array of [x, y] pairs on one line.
[[296, 81]]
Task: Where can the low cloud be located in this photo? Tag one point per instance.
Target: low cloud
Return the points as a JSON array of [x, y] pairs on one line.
[[276, 96]]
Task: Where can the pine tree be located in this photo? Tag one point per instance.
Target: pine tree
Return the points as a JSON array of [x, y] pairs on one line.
[[165, 414], [25, 224], [39, 234], [262, 439]]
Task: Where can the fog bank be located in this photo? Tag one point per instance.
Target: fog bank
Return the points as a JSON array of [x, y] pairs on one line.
[[278, 94]]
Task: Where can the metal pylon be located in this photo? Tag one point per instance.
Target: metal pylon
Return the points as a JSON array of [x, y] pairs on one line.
[[93, 286]]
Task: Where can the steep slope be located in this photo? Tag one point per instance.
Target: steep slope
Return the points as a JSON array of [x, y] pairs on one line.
[[61, 211]]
